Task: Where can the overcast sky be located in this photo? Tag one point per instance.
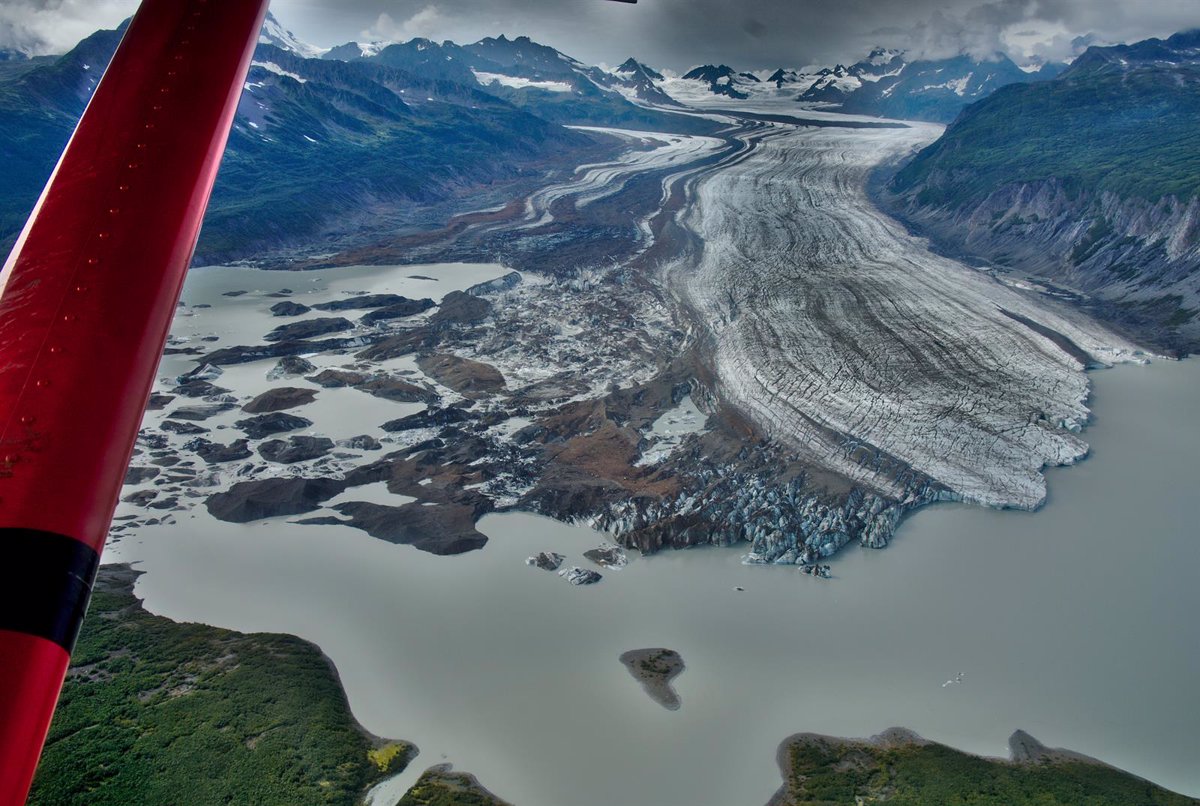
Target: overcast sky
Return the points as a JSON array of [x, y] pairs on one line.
[[676, 34]]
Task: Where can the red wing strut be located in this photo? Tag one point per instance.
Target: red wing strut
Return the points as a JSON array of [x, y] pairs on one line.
[[86, 299]]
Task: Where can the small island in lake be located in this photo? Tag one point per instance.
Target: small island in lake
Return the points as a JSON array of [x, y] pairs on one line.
[[655, 669]]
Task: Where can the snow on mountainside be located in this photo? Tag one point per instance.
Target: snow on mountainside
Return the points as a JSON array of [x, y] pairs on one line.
[[884, 84], [487, 79], [784, 76], [273, 33], [355, 50], [521, 63], [723, 80], [921, 90], [836, 84], [537, 78], [633, 68], [553, 83], [1180, 50], [638, 83]]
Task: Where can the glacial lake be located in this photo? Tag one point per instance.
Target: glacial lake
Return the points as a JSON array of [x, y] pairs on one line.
[[1077, 623]]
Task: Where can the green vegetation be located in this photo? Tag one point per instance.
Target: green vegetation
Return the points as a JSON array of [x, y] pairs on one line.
[[155, 712], [441, 787], [657, 664], [392, 757], [1136, 134], [830, 771]]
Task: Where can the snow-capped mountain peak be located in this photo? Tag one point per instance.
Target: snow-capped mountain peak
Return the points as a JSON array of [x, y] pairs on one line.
[[632, 67], [882, 56], [356, 50], [273, 33]]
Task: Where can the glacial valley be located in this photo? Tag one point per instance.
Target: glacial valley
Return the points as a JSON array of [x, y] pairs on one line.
[[834, 372]]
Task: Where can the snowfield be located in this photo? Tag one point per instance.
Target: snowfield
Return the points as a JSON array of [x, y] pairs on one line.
[[519, 82]]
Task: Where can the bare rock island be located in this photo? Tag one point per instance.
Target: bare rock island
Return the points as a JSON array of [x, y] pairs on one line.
[[655, 669]]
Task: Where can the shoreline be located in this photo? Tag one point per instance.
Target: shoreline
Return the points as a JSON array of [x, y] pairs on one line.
[[1025, 753]]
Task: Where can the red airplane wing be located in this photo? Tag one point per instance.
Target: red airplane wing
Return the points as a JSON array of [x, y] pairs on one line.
[[86, 300]]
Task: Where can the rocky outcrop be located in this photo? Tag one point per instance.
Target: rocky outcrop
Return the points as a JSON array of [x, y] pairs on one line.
[[395, 389], [290, 366], [608, 555], [363, 442], [383, 386], [467, 377], [398, 310], [295, 449], [216, 453], [266, 425], [439, 529], [510, 280], [382, 306], [1132, 261], [546, 560], [430, 418], [361, 302], [141, 498], [337, 378], [241, 354], [253, 500], [202, 372], [200, 412], [396, 345], [580, 576], [309, 328], [158, 401], [199, 388], [460, 308], [140, 475], [288, 308], [279, 398], [182, 428]]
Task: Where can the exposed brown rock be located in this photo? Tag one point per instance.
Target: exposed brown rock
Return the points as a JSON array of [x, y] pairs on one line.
[[467, 377]]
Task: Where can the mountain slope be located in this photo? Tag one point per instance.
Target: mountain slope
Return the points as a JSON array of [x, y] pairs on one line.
[[541, 80], [721, 80], [324, 148], [319, 147], [39, 106], [637, 81], [1091, 180], [273, 33]]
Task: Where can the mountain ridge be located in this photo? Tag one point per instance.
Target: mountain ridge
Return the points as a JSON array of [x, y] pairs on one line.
[[1091, 180]]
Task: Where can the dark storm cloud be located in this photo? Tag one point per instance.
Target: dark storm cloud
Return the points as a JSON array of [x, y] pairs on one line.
[[680, 33], [760, 33]]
